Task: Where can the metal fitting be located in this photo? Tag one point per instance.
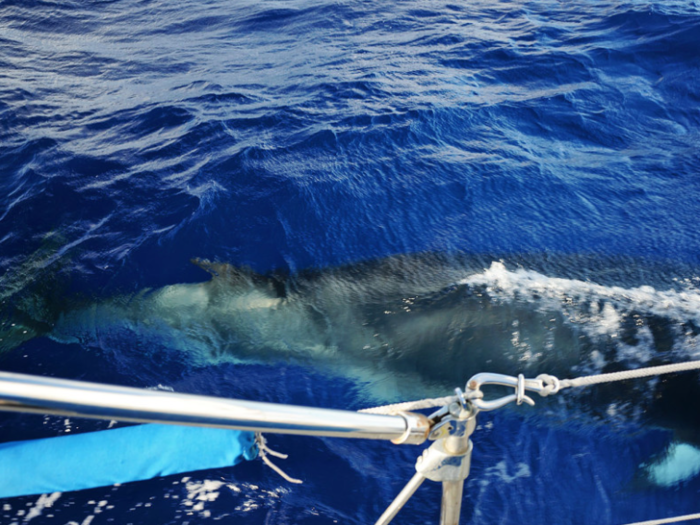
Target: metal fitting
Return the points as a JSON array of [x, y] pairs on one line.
[[417, 429], [437, 464], [543, 385], [449, 458]]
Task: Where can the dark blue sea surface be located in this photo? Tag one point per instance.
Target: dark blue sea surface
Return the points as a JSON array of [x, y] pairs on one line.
[[418, 169]]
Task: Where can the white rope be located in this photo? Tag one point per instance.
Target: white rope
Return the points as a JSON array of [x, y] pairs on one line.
[[629, 374], [668, 520], [264, 450], [553, 384], [410, 405]]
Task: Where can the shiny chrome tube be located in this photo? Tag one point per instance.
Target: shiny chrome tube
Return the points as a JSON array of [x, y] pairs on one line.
[[451, 502], [45, 395]]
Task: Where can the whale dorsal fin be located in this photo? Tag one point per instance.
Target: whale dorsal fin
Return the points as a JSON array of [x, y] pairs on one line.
[[243, 276]]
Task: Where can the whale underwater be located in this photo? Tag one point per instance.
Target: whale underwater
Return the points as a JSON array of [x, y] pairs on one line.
[[406, 327]]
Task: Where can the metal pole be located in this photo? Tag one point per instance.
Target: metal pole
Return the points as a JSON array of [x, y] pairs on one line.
[[45, 395], [401, 499], [458, 445], [451, 502]]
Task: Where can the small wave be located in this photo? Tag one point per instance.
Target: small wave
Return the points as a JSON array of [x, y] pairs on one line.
[[641, 320]]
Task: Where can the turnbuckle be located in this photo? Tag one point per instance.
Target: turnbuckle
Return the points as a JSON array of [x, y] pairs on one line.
[[543, 384]]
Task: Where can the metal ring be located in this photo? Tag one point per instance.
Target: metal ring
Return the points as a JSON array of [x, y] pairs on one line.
[[520, 389], [461, 398], [414, 424]]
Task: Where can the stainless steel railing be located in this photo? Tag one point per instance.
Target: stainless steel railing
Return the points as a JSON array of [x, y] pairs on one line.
[[45, 395]]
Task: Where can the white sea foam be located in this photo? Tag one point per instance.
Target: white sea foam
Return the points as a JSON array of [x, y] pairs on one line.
[[600, 311], [502, 282], [45, 501], [200, 493]]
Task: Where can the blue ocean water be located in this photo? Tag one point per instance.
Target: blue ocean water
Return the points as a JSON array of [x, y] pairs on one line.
[[307, 138]]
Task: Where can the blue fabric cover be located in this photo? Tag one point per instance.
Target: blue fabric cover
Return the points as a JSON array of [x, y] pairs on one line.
[[97, 459]]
